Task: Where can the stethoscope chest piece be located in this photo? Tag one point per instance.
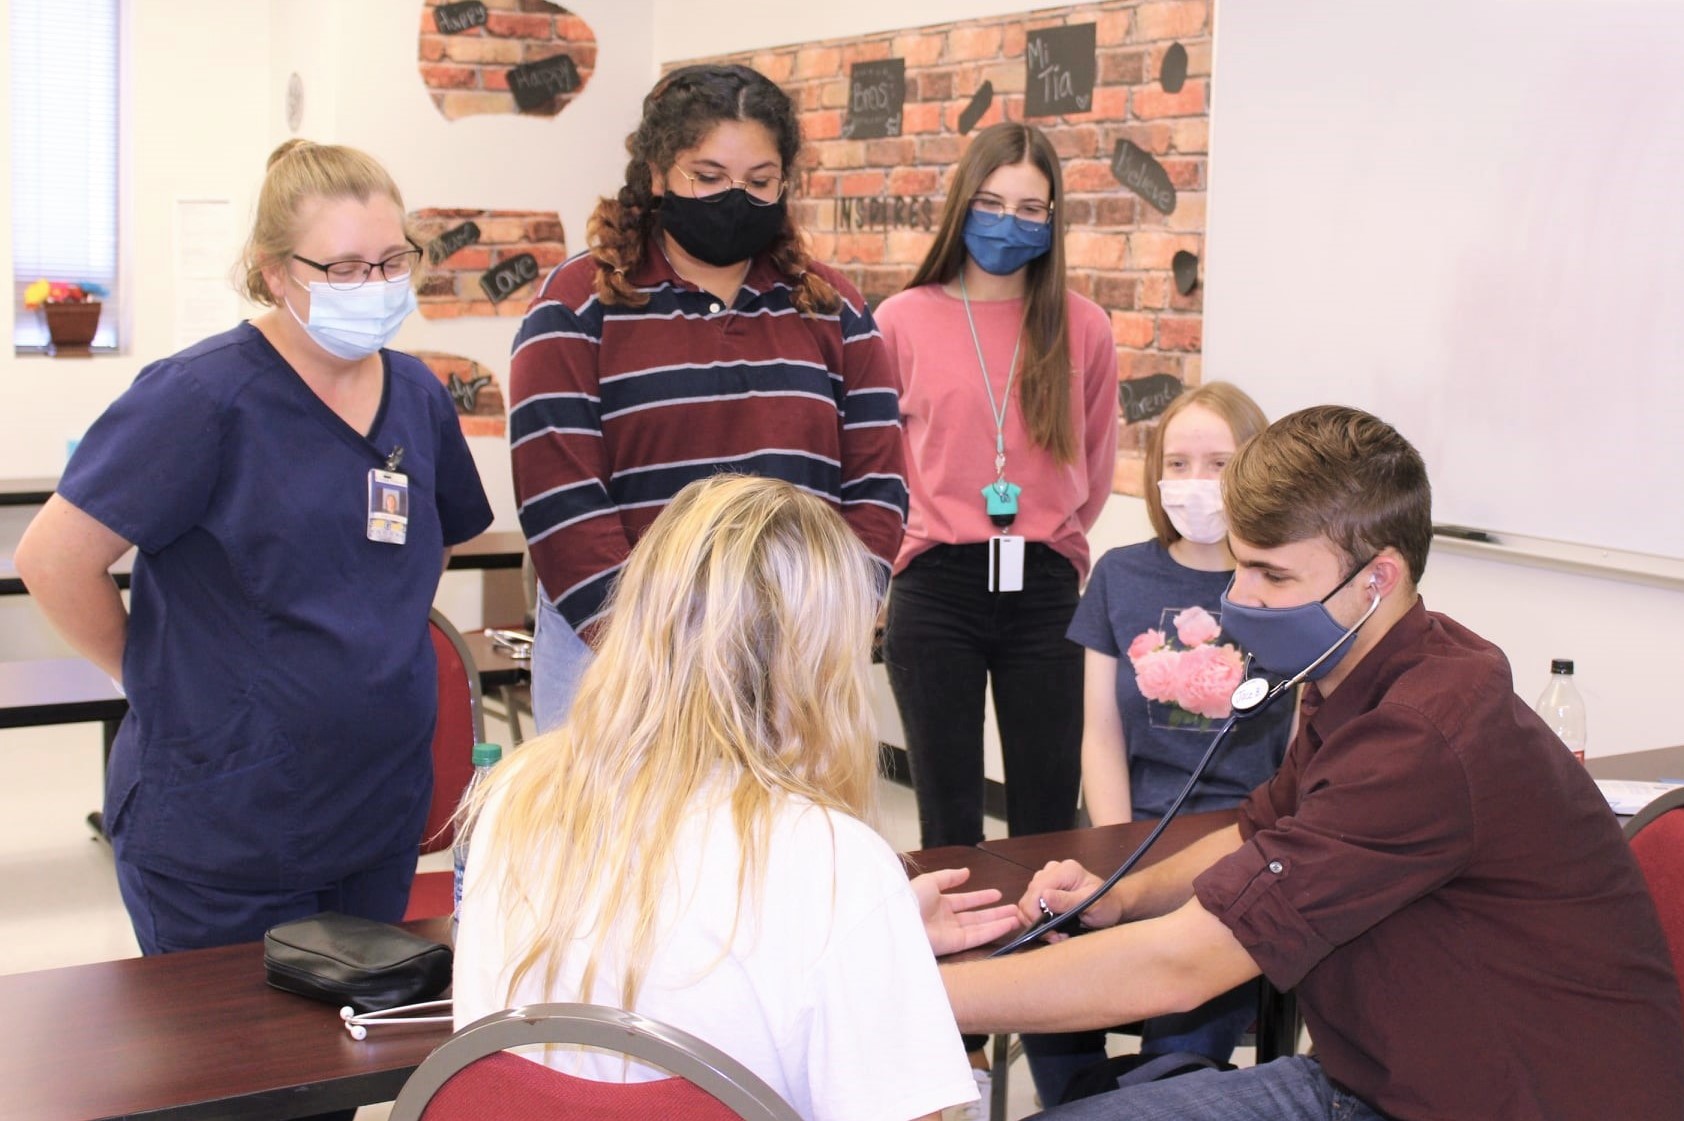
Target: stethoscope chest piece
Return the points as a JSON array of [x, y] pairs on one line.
[[1249, 694]]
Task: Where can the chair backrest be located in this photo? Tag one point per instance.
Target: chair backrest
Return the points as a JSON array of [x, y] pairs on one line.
[[461, 724], [470, 1071], [1656, 835]]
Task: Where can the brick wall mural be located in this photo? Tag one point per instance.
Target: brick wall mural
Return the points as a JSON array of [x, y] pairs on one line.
[[504, 56], [479, 399], [485, 262], [1121, 88]]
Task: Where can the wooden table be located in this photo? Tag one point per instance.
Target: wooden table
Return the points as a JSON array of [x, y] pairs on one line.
[[199, 1035], [1102, 849], [502, 549], [27, 492], [189, 1037], [1661, 764], [59, 691], [72, 691]]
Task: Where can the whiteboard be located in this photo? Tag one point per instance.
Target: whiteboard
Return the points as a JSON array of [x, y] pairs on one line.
[[1467, 218]]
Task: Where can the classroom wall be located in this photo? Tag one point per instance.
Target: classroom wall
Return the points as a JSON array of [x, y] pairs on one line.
[[359, 66], [48, 400], [871, 204]]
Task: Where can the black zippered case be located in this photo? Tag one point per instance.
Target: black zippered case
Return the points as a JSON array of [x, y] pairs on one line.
[[342, 959]]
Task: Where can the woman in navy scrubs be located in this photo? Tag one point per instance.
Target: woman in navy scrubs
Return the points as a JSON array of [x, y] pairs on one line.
[[275, 761]]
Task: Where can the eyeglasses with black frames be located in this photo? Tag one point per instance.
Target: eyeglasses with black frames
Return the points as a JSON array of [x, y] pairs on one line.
[[710, 186], [348, 275]]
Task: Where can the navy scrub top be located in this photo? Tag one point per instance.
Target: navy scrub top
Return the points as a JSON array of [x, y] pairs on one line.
[[281, 681]]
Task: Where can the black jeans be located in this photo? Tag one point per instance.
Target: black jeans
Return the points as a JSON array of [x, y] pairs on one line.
[[947, 634]]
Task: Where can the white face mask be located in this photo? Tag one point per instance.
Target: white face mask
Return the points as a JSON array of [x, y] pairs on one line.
[[356, 323], [1194, 508]]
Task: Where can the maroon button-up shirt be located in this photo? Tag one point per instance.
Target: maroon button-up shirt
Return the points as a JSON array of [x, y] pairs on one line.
[[1469, 935]]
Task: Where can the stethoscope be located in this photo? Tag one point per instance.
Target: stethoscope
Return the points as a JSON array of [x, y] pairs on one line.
[[1249, 698], [358, 1023]]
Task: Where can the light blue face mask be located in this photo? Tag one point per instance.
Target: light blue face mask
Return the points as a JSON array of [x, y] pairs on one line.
[[354, 323], [1003, 243]]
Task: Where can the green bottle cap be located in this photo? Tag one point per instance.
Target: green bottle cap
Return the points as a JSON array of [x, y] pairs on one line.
[[485, 754]]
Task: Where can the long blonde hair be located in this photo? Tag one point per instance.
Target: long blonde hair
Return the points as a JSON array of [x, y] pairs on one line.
[[300, 171], [736, 657]]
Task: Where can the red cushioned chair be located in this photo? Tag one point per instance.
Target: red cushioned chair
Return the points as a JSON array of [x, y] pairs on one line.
[[471, 1077], [461, 724], [1656, 834]]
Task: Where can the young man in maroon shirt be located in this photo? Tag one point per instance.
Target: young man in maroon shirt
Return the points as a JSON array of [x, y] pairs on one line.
[[1431, 870]]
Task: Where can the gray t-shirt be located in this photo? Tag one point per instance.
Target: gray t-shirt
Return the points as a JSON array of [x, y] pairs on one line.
[[1175, 671]]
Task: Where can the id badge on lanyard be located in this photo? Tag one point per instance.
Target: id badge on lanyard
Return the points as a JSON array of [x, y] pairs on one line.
[[1005, 563], [388, 506]]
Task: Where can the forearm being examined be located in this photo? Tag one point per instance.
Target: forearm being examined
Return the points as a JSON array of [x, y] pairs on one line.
[[1126, 973]]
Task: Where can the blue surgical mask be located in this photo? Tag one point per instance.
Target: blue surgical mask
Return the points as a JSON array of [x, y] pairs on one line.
[[1003, 243], [1285, 641], [354, 323]]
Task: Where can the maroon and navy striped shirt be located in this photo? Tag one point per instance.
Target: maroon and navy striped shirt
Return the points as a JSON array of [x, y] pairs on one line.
[[615, 409]]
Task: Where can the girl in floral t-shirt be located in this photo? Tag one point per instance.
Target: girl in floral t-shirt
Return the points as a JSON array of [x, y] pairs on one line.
[[1159, 672]]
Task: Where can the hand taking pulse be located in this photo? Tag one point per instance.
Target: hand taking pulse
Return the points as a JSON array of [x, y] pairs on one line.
[[964, 919], [1062, 884]]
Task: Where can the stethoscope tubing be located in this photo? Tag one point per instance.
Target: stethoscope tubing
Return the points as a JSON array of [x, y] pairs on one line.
[[1069, 920]]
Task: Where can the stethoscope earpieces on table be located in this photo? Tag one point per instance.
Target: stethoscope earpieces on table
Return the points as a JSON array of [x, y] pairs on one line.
[[358, 1023]]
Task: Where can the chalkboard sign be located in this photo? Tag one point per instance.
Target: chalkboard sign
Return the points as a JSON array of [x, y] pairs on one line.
[[1172, 73], [876, 96], [1145, 398], [980, 101], [457, 237], [1185, 266], [1135, 169], [465, 392], [507, 277], [536, 84], [1060, 70], [452, 18]]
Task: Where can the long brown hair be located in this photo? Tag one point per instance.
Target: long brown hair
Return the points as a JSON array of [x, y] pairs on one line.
[[678, 114], [1044, 384]]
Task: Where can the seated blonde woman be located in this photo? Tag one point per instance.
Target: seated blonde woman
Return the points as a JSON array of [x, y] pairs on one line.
[[692, 844]]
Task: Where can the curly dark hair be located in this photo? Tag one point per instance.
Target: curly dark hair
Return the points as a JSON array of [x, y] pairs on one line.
[[678, 114]]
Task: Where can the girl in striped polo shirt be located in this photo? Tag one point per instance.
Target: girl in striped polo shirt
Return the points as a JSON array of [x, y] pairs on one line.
[[693, 336]]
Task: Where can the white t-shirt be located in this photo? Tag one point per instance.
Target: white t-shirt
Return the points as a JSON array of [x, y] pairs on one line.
[[828, 990]]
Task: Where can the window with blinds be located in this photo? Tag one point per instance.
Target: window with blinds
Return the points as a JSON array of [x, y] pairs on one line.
[[64, 154]]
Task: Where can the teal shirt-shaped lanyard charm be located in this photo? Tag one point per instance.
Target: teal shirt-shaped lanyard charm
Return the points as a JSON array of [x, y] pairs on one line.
[[1001, 498]]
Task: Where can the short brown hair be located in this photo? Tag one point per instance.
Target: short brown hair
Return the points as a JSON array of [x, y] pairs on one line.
[[1227, 401], [1332, 472]]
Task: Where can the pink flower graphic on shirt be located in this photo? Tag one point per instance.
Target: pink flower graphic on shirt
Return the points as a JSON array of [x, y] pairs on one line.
[[1192, 674], [1144, 643], [1158, 674], [1208, 676], [1195, 627]]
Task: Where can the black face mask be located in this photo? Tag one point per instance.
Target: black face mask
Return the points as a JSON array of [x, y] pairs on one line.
[[721, 232]]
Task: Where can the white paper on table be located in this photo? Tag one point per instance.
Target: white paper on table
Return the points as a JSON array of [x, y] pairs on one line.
[[1628, 796]]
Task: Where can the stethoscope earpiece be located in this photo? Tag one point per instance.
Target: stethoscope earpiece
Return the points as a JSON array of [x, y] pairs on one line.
[[358, 1023]]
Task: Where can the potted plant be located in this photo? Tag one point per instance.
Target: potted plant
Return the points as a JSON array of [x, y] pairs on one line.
[[71, 311]]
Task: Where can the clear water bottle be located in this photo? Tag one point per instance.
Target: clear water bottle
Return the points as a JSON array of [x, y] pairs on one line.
[[1563, 709], [486, 756]]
